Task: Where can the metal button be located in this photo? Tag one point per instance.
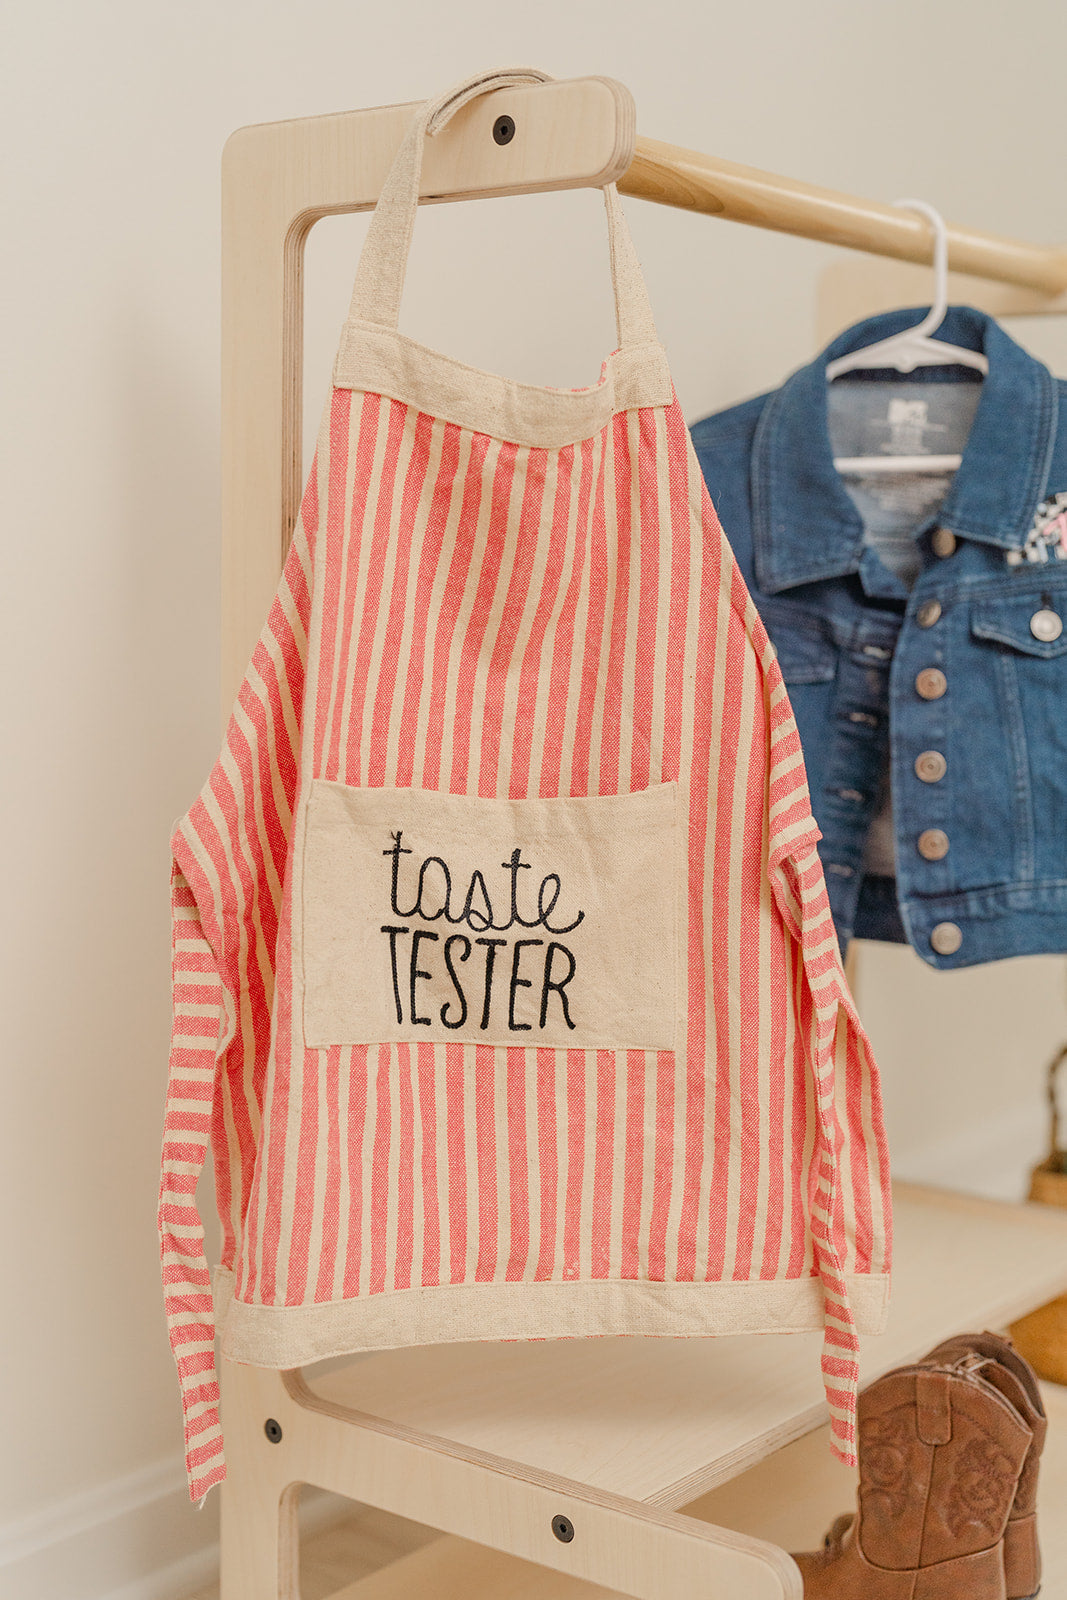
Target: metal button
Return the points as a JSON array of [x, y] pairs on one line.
[[933, 844], [946, 938], [931, 766], [928, 613], [1046, 626], [943, 542], [931, 683]]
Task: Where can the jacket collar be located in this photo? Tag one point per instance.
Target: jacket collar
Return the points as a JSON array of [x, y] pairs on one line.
[[805, 526]]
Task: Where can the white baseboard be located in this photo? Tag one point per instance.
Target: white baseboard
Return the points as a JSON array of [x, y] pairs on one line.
[[111, 1539], [134, 1538]]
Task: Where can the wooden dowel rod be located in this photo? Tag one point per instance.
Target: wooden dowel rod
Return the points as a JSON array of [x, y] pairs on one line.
[[670, 175]]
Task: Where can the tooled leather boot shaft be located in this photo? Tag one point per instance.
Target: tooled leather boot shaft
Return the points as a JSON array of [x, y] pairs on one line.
[[940, 1454], [997, 1361], [940, 1458]]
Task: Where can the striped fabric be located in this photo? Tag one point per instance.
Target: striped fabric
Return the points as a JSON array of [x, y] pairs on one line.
[[468, 613]]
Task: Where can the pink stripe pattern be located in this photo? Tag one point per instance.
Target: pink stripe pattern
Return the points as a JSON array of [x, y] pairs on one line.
[[467, 614]]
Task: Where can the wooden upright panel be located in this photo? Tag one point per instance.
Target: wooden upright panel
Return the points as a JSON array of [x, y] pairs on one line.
[[278, 179], [856, 287]]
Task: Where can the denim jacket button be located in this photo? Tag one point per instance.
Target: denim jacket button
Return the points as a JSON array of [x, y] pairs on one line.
[[1046, 626], [946, 938], [928, 613], [943, 542], [933, 844], [931, 683], [931, 766]]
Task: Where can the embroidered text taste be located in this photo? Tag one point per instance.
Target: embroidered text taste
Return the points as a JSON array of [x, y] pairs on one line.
[[433, 900]]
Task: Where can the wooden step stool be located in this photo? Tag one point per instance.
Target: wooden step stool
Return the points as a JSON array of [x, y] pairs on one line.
[[575, 1455], [494, 1444]]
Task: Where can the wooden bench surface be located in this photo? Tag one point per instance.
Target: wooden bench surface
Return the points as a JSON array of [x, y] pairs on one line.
[[791, 1499], [665, 1420]]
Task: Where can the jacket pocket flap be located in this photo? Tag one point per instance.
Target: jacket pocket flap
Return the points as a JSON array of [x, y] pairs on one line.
[[1024, 623], [805, 657]]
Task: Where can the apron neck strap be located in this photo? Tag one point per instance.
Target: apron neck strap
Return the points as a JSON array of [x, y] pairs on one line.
[[383, 263]]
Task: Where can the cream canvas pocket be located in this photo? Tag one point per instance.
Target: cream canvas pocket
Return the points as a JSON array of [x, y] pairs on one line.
[[452, 918]]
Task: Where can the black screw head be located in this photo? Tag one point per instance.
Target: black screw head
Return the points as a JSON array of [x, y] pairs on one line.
[[273, 1430], [563, 1528], [504, 130]]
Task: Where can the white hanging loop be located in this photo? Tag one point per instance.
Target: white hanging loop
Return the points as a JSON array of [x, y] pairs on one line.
[[936, 315]]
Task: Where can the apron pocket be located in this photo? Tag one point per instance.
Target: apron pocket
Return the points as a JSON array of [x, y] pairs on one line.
[[456, 919]]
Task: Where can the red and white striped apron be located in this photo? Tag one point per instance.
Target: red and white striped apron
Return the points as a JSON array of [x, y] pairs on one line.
[[505, 984]]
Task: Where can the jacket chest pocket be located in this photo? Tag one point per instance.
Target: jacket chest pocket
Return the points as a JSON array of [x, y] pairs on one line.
[[1032, 625], [457, 919], [1019, 694], [1022, 638]]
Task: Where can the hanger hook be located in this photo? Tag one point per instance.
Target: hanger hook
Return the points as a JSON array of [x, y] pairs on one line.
[[936, 315]]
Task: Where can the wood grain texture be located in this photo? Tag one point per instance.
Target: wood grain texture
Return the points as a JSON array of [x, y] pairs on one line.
[[789, 1499], [664, 1420], [645, 1552], [673, 176], [455, 1569]]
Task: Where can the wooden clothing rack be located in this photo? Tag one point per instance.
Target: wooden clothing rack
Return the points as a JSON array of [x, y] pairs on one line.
[[280, 178], [551, 1466]]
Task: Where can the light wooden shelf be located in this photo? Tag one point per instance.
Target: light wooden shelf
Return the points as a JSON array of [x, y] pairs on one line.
[[790, 1499], [662, 1421], [491, 1442]]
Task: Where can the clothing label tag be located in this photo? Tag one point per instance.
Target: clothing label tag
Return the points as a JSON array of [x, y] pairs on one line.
[[908, 421], [882, 420], [523, 922], [901, 417]]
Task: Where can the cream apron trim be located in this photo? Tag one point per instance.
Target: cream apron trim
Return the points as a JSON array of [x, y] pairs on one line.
[[380, 360], [374, 357], [289, 1336]]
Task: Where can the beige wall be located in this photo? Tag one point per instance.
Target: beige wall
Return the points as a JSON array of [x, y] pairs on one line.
[[115, 115]]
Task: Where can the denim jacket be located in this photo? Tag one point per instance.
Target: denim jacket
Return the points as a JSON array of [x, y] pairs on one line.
[[954, 693]]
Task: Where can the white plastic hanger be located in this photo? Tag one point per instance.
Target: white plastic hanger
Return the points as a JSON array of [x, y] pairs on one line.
[[911, 348]]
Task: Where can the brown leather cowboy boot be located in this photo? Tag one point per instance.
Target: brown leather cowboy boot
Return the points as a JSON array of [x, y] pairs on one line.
[[940, 1451], [1000, 1364]]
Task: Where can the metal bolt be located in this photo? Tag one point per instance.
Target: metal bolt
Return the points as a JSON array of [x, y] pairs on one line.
[[563, 1528], [273, 1430], [504, 130]]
